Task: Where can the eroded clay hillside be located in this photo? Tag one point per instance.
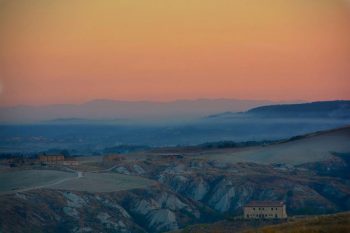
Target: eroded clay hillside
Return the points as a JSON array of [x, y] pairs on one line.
[[168, 189]]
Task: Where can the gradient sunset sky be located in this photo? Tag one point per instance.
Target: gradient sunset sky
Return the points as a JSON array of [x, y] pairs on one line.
[[72, 51]]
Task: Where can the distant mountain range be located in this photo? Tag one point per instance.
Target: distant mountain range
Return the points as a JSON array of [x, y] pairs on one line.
[[122, 111], [326, 109], [91, 127], [339, 109]]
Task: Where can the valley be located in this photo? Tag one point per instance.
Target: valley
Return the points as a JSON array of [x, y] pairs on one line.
[[185, 116], [166, 189]]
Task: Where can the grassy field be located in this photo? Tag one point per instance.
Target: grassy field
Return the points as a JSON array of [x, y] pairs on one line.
[[338, 223], [28, 179], [103, 182], [335, 223], [308, 149]]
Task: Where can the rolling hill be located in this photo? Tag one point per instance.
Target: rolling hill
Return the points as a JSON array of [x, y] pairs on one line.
[[325, 109], [152, 191], [335, 223], [297, 150], [120, 111]]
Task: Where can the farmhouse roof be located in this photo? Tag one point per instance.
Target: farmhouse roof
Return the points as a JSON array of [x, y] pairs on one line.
[[265, 204]]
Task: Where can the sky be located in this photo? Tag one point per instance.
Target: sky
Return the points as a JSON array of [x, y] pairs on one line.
[[73, 51]]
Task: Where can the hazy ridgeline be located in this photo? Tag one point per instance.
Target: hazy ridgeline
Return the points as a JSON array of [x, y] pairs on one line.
[[94, 138], [90, 136]]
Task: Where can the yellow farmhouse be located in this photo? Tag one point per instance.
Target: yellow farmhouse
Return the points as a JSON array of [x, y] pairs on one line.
[[265, 210]]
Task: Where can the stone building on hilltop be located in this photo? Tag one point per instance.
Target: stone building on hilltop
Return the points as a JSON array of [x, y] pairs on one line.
[[265, 210], [51, 159]]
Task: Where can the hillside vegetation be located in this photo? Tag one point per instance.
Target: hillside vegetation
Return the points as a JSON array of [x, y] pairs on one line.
[[335, 223], [338, 223], [163, 190]]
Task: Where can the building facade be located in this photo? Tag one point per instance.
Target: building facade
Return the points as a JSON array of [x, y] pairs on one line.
[[70, 162], [114, 158], [51, 159], [265, 210]]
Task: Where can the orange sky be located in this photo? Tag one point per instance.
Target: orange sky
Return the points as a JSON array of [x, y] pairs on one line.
[[71, 51]]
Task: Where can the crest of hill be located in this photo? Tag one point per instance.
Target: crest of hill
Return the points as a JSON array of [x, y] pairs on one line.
[[325, 109], [328, 223], [308, 148], [335, 223], [105, 109]]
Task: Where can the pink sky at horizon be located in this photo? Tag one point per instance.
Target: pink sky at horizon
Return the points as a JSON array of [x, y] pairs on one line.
[[76, 51]]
